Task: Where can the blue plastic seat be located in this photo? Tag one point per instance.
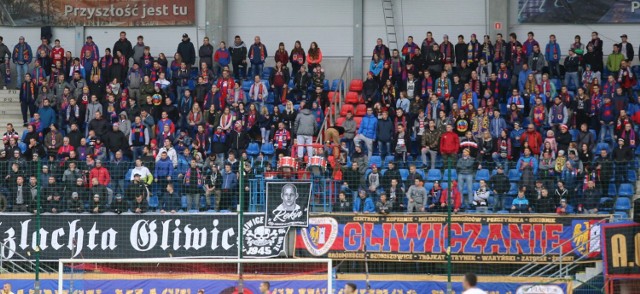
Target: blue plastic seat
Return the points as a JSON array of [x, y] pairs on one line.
[[445, 175], [421, 173], [267, 149], [428, 186], [325, 85], [514, 176], [475, 186], [434, 175], [483, 174], [625, 190], [632, 175], [574, 135], [404, 174], [601, 146], [154, 202], [335, 83], [620, 216], [513, 189], [507, 202], [183, 202], [387, 159], [377, 160], [623, 204], [253, 149], [246, 85], [612, 190]]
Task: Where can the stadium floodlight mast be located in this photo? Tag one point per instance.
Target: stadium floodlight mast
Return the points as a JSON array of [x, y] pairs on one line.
[[327, 261]]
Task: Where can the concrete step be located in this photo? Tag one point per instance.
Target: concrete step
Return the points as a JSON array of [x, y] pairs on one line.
[[8, 96]]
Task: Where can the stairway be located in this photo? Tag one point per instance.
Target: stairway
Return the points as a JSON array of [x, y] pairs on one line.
[[10, 110], [390, 24], [590, 280]]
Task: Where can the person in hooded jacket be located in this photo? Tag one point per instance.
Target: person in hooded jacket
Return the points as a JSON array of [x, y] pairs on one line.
[[187, 50], [238, 138], [238, 52], [304, 128]]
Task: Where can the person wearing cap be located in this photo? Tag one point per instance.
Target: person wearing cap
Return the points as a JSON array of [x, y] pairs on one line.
[[97, 204], [187, 50], [626, 48], [119, 205], [74, 203], [92, 47], [572, 66], [564, 208], [124, 46], [22, 57]]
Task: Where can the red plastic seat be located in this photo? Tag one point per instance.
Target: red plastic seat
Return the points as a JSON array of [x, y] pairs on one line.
[[334, 97], [355, 85], [331, 108], [352, 98], [358, 121], [339, 121], [361, 110], [346, 108]]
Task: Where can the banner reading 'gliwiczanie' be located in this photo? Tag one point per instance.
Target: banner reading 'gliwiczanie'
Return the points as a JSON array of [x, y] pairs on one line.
[[98, 13], [474, 238]]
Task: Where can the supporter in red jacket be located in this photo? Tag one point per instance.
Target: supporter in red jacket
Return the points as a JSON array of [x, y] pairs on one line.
[[533, 139], [101, 173], [449, 144], [456, 197]]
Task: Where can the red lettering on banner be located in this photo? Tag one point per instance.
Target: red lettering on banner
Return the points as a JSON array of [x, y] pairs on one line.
[[537, 244], [353, 236], [520, 235], [553, 235], [496, 242], [472, 241]]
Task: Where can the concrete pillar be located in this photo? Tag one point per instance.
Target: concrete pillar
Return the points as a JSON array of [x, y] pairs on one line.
[[358, 32], [497, 12], [217, 21]]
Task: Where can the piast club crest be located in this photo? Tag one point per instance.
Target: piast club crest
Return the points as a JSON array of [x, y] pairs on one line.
[[320, 235]]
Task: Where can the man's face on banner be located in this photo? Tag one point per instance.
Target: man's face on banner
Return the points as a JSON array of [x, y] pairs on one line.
[[289, 196]]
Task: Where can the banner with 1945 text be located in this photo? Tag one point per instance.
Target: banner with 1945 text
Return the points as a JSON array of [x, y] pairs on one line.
[[474, 238], [139, 236]]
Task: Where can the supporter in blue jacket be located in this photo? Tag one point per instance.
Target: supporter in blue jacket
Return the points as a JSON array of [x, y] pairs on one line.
[[47, 114], [164, 167], [367, 131], [552, 55], [363, 203]]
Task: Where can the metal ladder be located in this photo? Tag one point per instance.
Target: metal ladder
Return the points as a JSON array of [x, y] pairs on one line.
[[390, 24]]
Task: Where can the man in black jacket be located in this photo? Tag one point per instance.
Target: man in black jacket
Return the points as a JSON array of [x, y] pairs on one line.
[[239, 58], [343, 204], [391, 173], [461, 50], [499, 183], [626, 48], [116, 141], [571, 66], [604, 168], [124, 45], [187, 51], [206, 53], [622, 155]]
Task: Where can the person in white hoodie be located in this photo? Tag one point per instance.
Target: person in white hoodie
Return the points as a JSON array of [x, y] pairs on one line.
[[171, 152], [469, 284], [143, 171]]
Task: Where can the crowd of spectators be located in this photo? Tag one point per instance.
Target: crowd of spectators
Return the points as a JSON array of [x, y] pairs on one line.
[[110, 131]]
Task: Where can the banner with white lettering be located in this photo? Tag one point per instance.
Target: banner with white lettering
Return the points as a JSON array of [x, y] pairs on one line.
[[287, 204], [137, 236], [68, 13]]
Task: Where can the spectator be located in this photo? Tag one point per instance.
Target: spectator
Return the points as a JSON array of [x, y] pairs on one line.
[[229, 186], [430, 143], [342, 205], [564, 208], [238, 53], [97, 205], [453, 201], [115, 141], [140, 204], [123, 45], [278, 79], [205, 52], [520, 204], [100, 173], [383, 206], [417, 196], [257, 56], [465, 167], [499, 183], [74, 203], [449, 145], [171, 201], [571, 66], [614, 60], [187, 50], [363, 203], [22, 57], [621, 156], [373, 180], [544, 203], [314, 56], [536, 62], [481, 195], [626, 48], [193, 184], [552, 54], [4, 62], [607, 117]]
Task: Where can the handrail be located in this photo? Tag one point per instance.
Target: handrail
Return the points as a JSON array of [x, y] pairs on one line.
[[3, 246], [531, 265], [330, 116]]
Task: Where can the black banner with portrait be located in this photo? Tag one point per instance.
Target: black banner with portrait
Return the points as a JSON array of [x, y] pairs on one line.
[[287, 204]]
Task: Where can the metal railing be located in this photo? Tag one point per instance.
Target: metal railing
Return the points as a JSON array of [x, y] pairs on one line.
[[538, 267], [340, 91], [18, 262]]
